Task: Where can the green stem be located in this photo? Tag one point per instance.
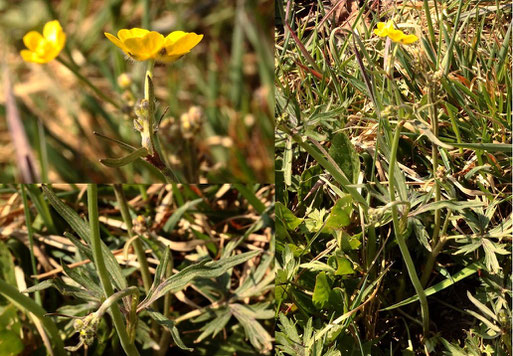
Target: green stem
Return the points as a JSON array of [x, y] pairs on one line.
[[88, 83], [117, 318], [115, 297], [29, 306], [156, 152], [430, 263], [434, 154], [30, 233], [410, 266], [166, 336], [139, 250]]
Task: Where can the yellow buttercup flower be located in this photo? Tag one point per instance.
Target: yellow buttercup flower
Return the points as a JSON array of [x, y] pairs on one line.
[[141, 44], [177, 44], [387, 30], [44, 48]]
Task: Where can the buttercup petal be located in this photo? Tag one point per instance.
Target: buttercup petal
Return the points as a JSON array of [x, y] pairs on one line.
[[408, 39], [52, 30], [183, 45], [396, 35], [61, 41], [32, 40], [29, 56], [115, 40], [169, 59], [173, 37], [125, 34], [145, 47]]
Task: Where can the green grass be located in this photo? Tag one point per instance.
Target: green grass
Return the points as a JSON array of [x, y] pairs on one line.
[[228, 77], [136, 269], [406, 150]]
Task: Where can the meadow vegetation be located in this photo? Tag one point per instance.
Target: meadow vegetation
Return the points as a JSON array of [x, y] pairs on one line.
[[393, 177], [136, 269]]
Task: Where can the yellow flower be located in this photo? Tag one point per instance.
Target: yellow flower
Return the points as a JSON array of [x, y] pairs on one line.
[[387, 29], [384, 28], [141, 44], [177, 44], [44, 48]]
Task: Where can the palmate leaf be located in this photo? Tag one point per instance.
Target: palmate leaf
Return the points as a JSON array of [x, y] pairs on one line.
[[223, 315], [81, 227], [258, 279], [258, 336], [203, 269]]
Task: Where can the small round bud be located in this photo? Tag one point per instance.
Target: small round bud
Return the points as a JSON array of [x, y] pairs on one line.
[[124, 81]]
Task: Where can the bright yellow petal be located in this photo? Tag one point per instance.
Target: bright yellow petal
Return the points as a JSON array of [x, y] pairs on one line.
[[380, 32], [183, 45], [115, 40], [396, 35], [51, 31], [145, 47], [408, 39], [32, 40], [124, 34], [29, 56], [168, 59], [173, 37]]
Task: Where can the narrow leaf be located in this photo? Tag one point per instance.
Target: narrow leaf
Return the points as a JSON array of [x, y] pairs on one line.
[[123, 161]]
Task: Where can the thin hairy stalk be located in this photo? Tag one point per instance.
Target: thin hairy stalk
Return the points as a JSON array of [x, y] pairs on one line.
[[117, 318], [139, 250], [156, 156], [398, 229]]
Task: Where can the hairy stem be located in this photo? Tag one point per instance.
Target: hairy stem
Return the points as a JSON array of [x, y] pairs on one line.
[[117, 318], [398, 229]]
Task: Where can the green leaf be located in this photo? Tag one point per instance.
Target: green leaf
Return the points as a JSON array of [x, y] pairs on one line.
[[10, 343], [284, 215], [171, 326], [316, 266], [308, 178], [322, 291], [216, 325], [123, 161], [27, 305], [81, 227], [345, 156], [258, 336], [344, 266], [203, 269], [458, 276], [489, 147], [177, 215], [339, 215]]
